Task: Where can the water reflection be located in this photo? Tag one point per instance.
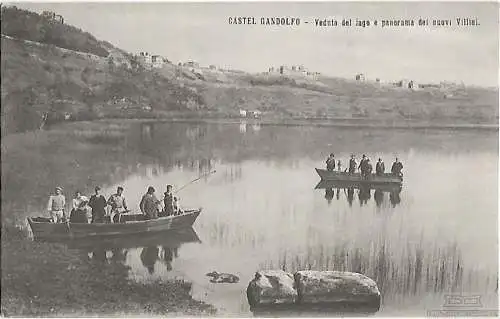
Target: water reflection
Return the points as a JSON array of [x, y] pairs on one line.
[[149, 256], [147, 131], [158, 247], [261, 204], [364, 192]]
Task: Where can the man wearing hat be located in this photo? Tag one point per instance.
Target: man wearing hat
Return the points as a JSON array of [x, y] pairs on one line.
[[98, 204], [352, 165], [362, 165], [330, 162], [149, 204], [168, 202], [56, 205], [380, 167]]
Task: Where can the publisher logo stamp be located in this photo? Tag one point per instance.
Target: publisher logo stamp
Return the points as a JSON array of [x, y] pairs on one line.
[[462, 305]]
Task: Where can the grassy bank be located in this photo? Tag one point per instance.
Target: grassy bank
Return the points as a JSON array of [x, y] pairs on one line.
[[319, 122], [41, 279]]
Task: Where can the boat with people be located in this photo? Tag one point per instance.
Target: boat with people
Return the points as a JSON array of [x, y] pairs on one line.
[[45, 228], [364, 176]]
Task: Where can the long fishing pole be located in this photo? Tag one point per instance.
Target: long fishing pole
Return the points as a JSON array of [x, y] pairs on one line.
[[194, 180]]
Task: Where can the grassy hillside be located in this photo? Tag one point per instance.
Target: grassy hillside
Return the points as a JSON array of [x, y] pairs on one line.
[[330, 98], [28, 25], [40, 78], [59, 70]]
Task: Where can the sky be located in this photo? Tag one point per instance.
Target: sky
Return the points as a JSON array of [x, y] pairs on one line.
[[201, 32]]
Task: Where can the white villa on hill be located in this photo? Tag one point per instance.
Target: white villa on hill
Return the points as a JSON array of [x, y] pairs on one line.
[[151, 61], [294, 70]]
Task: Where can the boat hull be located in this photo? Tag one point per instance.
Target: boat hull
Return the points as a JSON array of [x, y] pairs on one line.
[[335, 176], [43, 229]]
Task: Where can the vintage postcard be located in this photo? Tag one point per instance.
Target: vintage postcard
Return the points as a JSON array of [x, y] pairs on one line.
[[241, 159]]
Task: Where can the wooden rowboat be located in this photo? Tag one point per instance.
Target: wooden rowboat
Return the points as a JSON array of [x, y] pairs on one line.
[[386, 178], [42, 228]]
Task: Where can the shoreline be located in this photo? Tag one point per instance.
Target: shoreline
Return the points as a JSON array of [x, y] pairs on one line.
[[339, 123], [74, 286]]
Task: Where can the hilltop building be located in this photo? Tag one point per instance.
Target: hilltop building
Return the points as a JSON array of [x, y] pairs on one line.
[[294, 71], [360, 77], [151, 61], [53, 17], [193, 66]]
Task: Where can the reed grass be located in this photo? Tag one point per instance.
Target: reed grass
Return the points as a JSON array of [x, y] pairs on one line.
[[414, 270]]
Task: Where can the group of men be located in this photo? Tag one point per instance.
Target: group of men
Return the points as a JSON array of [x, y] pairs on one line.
[[150, 205], [365, 167], [94, 209]]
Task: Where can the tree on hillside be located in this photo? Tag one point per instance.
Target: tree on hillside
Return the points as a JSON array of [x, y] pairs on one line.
[[28, 25], [25, 115]]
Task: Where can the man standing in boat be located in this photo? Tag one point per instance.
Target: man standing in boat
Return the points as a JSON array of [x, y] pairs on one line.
[[352, 165], [149, 204], [362, 165], [56, 206], [380, 167], [368, 168], [117, 203], [397, 167], [330, 163], [168, 202], [81, 212], [98, 204]]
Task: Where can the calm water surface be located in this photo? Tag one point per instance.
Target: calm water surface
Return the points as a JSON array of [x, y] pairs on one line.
[[261, 209]]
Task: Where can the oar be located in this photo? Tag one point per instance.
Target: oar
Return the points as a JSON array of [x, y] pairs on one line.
[[194, 180], [186, 185]]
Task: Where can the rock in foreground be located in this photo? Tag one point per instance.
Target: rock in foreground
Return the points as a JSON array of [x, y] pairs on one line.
[[335, 286], [311, 292], [271, 287]]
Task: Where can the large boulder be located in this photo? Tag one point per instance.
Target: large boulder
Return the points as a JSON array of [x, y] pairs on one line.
[[335, 287], [271, 287]]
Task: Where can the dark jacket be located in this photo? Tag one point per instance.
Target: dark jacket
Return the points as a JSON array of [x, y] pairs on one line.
[[396, 168], [98, 204], [168, 203], [149, 206], [330, 163], [380, 168]]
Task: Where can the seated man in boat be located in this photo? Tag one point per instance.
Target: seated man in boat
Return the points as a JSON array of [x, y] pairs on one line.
[[118, 204], [330, 162], [380, 167], [98, 204], [81, 212], [177, 207], [352, 165], [56, 206], [397, 167], [149, 204], [168, 202]]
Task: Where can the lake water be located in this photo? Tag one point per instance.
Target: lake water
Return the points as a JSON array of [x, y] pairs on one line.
[[261, 210]]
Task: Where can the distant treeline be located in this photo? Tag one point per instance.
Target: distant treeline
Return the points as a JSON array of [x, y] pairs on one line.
[[31, 26]]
